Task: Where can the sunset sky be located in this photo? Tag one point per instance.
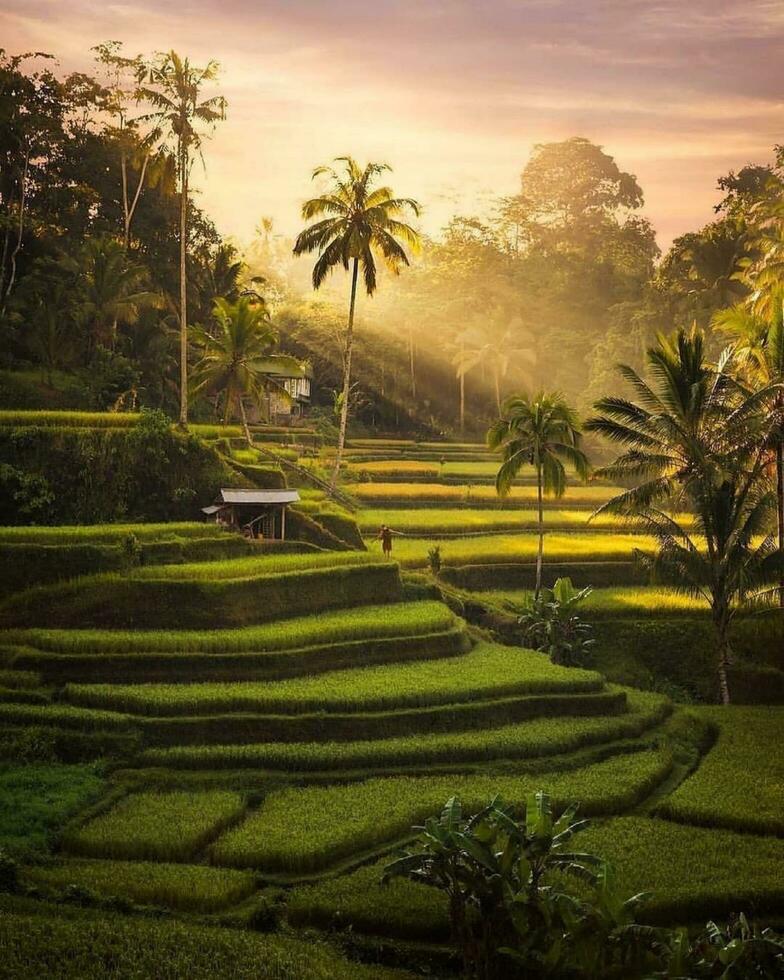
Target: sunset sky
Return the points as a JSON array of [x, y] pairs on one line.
[[453, 93]]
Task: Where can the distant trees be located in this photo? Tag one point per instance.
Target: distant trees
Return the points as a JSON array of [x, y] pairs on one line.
[[362, 222], [696, 439], [543, 432], [179, 113]]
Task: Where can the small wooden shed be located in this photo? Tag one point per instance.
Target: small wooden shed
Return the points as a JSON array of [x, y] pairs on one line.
[[257, 513]]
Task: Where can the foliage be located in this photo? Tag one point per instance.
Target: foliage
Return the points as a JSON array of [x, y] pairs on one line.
[[36, 800], [404, 494], [171, 826], [699, 438], [552, 624], [434, 559]]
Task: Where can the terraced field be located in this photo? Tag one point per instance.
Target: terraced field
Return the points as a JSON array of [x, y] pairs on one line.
[[278, 722]]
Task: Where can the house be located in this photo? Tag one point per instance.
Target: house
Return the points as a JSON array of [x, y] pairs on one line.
[[257, 513], [283, 410]]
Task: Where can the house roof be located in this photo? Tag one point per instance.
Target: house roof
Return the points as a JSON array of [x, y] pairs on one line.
[[212, 509], [228, 496]]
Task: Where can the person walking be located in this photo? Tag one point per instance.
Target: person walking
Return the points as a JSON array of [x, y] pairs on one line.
[[385, 537]]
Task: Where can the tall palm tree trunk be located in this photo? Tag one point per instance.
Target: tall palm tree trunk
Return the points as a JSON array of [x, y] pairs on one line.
[[540, 551], [183, 293], [346, 375]]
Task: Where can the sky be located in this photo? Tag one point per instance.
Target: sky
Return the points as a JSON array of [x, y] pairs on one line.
[[452, 94]]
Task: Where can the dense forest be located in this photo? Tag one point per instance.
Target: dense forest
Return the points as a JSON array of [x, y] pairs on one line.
[[555, 285]]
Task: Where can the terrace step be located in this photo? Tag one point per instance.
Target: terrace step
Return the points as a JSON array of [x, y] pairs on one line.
[[240, 728], [202, 603], [129, 668]]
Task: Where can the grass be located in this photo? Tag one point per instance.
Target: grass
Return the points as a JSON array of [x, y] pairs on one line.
[[91, 420], [499, 548], [411, 493], [185, 887], [616, 602], [693, 873], [37, 799], [253, 567], [540, 737], [487, 671], [108, 533], [435, 467], [308, 829], [157, 826], [89, 944], [740, 783], [397, 619]]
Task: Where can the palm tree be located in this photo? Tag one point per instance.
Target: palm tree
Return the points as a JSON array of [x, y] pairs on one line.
[[237, 361], [696, 439], [362, 223], [178, 111], [489, 347], [541, 432], [759, 347], [109, 288]]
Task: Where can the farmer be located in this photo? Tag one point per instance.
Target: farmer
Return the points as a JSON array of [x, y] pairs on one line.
[[385, 537]]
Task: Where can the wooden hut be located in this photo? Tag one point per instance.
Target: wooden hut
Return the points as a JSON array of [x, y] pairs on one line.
[[256, 513]]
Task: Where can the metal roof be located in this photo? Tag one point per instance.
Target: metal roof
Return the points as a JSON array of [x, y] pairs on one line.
[[258, 496], [212, 509]]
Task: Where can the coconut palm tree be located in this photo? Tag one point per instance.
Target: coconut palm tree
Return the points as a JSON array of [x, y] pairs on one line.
[[238, 360], [697, 439], [542, 432], [759, 347], [178, 112], [489, 347], [361, 223]]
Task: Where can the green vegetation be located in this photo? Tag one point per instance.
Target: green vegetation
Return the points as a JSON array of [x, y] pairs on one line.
[[399, 619], [253, 567], [108, 533], [145, 601], [37, 799], [541, 737], [406, 494], [487, 671], [464, 520], [618, 601], [157, 826], [301, 830], [93, 945], [185, 887], [578, 547], [694, 874], [739, 783]]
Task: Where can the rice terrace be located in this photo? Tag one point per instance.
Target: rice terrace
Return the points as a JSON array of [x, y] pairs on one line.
[[391, 586]]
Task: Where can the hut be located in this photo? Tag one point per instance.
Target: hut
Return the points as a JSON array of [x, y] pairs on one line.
[[256, 513]]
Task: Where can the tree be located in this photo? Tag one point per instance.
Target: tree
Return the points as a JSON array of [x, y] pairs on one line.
[[109, 286], [540, 431], [237, 361], [696, 439], [493, 346], [363, 222], [759, 347], [174, 92]]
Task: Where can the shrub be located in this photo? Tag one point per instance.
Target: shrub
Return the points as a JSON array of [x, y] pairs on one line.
[[38, 799], [170, 826], [551, 623]]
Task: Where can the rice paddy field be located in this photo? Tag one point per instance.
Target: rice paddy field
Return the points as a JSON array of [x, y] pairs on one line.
[[214, 745]]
